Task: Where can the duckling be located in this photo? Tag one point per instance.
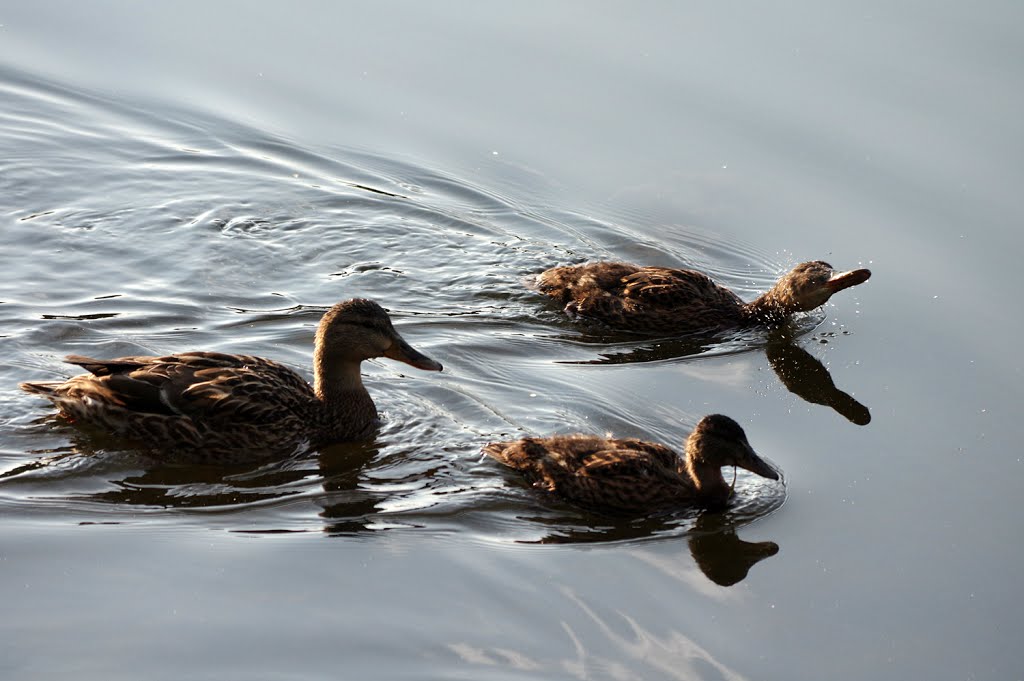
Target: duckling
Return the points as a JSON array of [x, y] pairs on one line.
[[220, 407], [633, 475], [662, 300]]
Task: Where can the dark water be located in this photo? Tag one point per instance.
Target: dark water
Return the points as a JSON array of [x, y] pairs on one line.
[[183, 177]]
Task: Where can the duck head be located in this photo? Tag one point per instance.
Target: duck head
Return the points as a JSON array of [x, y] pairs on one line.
[[810, 284], [719, 441], [358, 329]]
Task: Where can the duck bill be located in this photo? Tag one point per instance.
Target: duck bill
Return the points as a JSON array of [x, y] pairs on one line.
[[403, 352], [756, 464], [842, 280]]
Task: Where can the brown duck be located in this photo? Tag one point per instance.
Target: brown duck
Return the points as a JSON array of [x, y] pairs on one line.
[[663, 300], [225, 407], [633, 475]]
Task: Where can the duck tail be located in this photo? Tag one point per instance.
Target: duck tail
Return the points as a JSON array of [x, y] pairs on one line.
[[525, 454], [554, 282], [497, 450], [106, 367], [46, 389]]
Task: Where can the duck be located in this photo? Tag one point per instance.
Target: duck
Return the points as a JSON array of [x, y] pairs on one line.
[[631, 475], [223, 407], [664, 300]]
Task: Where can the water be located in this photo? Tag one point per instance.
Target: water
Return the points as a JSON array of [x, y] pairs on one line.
[[214, 178]]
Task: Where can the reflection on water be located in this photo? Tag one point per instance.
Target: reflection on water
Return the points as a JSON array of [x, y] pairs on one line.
[[348, 507], [799, 371], [721, 555], [601, 642], [808, 378], [716, 549]]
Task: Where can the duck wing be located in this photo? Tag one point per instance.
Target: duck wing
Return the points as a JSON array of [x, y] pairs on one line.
[[580, 282], [621, 474], [665, 300], [674, 288], [629, 478], [631, 458]]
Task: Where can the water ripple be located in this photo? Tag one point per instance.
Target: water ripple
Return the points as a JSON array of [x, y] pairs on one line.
[[130, 232]]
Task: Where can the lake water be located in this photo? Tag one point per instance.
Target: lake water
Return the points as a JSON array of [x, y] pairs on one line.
[[193, 176]]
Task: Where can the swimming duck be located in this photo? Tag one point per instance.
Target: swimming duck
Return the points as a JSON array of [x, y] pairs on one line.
[[220, 407], [663, 300], [633, 475]]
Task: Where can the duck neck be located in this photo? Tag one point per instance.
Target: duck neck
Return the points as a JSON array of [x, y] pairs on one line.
[[348, 409], [711, 488], [766, 309]]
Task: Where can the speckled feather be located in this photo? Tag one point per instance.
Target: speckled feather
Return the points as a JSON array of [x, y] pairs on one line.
[[193, 400], [624, 474]]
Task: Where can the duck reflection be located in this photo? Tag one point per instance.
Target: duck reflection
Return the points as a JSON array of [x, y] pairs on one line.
[[135, 478], [93, 467], [807, 378], [718, 552], [593, 527], [159, 484], [802, 373], [723, 557], [347, 509]]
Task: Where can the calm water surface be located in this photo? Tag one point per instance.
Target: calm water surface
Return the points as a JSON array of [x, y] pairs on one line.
[[188, 177]]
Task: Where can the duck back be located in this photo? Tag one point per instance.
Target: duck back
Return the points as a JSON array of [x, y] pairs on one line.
[[643, 299], [619, 474]]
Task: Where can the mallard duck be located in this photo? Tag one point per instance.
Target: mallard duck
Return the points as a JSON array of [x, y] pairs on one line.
[[662, 300], [633, 475], [219, 406]]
